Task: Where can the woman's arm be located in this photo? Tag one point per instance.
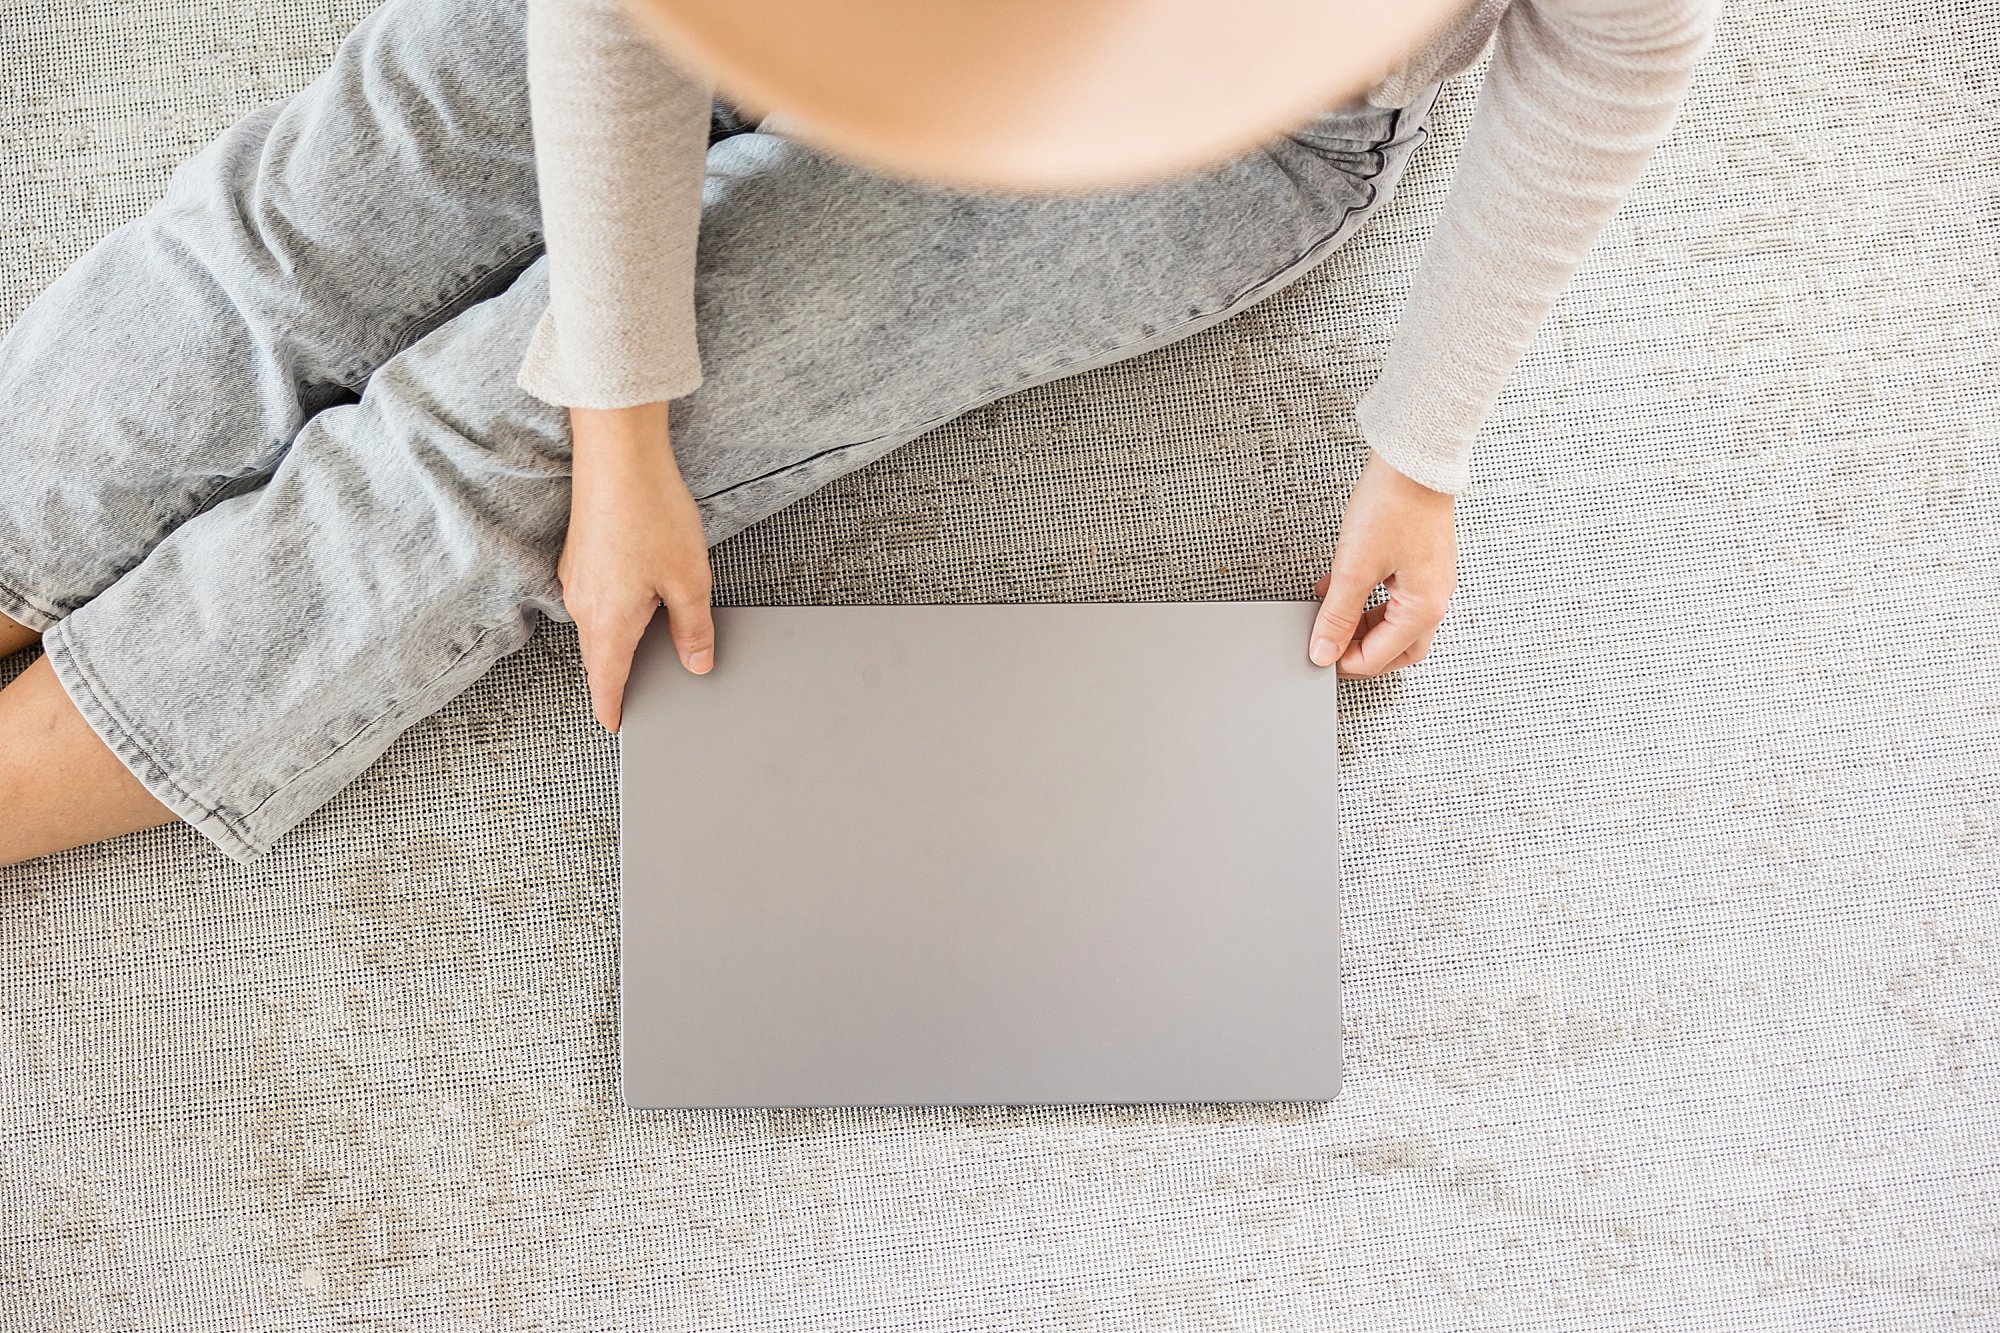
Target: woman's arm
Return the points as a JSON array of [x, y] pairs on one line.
[[621, 148], [1577, 96]]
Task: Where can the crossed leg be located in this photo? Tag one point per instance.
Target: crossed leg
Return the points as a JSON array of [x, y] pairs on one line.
[[290, 258]]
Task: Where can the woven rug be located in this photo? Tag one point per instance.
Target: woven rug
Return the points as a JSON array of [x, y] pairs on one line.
[[1672, 961]]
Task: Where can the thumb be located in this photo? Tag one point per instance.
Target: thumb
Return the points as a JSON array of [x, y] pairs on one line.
[[1344, 592], [691, 625]]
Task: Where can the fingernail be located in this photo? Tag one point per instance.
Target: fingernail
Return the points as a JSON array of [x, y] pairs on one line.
[[699, 659], [1322, 650]]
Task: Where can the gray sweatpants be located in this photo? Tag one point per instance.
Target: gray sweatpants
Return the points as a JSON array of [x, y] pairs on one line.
[[273, 494]]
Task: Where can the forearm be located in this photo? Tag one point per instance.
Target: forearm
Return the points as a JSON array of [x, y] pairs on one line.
[[621, 137], [1577, 96]]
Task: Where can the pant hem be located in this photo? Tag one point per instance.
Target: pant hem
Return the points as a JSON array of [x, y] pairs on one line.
[[87, 691], [22, 609]]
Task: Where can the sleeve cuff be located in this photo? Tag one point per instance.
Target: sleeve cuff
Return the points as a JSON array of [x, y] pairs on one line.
[[1433, 459], [544, 375]]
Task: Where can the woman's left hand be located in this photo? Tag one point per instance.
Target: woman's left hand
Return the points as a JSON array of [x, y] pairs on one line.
[[1399, 534]]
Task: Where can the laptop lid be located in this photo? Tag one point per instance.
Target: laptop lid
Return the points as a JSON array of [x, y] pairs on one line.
[[982, 854]]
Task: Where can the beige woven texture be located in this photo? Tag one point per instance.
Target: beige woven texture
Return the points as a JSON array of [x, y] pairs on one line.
[[1673, 985]]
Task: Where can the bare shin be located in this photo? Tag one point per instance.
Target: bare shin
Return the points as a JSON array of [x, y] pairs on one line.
[[60, 786]]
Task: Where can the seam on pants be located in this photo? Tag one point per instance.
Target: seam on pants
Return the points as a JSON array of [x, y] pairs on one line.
[[415, 329], [199, 501], [87, 691], [1124, 351]]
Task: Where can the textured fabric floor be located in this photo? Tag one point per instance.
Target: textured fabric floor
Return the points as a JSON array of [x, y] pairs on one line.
[[1672, 961]]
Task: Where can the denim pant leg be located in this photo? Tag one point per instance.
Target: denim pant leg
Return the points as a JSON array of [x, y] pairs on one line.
[[842, 314], [270, 648], [173, 364]]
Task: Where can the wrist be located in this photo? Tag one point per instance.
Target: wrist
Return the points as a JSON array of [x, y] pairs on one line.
[[613, 431], [1385, 473]]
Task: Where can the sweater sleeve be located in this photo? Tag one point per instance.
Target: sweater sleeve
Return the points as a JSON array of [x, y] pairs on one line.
[[1576, 98], [621, 147]]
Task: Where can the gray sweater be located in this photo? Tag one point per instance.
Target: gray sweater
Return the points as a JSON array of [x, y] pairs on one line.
[[1577, 96]]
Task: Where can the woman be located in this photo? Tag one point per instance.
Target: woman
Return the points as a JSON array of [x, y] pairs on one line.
[[291, 457]]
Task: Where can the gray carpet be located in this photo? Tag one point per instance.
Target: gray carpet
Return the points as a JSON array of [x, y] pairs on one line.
[[1673, 970]]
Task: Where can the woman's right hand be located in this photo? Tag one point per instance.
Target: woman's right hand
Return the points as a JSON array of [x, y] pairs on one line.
[[635, 542]]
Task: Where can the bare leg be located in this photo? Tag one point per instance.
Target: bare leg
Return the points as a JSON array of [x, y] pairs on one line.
[[14, 637], [60, 787]]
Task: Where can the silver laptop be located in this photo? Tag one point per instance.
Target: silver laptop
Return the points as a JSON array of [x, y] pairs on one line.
[[981, 855]]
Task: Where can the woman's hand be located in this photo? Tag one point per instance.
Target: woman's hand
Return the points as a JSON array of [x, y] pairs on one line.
[[1399, 534], [635, 542]]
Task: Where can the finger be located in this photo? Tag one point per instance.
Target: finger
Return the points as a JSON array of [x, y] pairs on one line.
[[1340, 609], [1370, 616], [1413, 654], [1392, 631], [690, 620], [607, 641]]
